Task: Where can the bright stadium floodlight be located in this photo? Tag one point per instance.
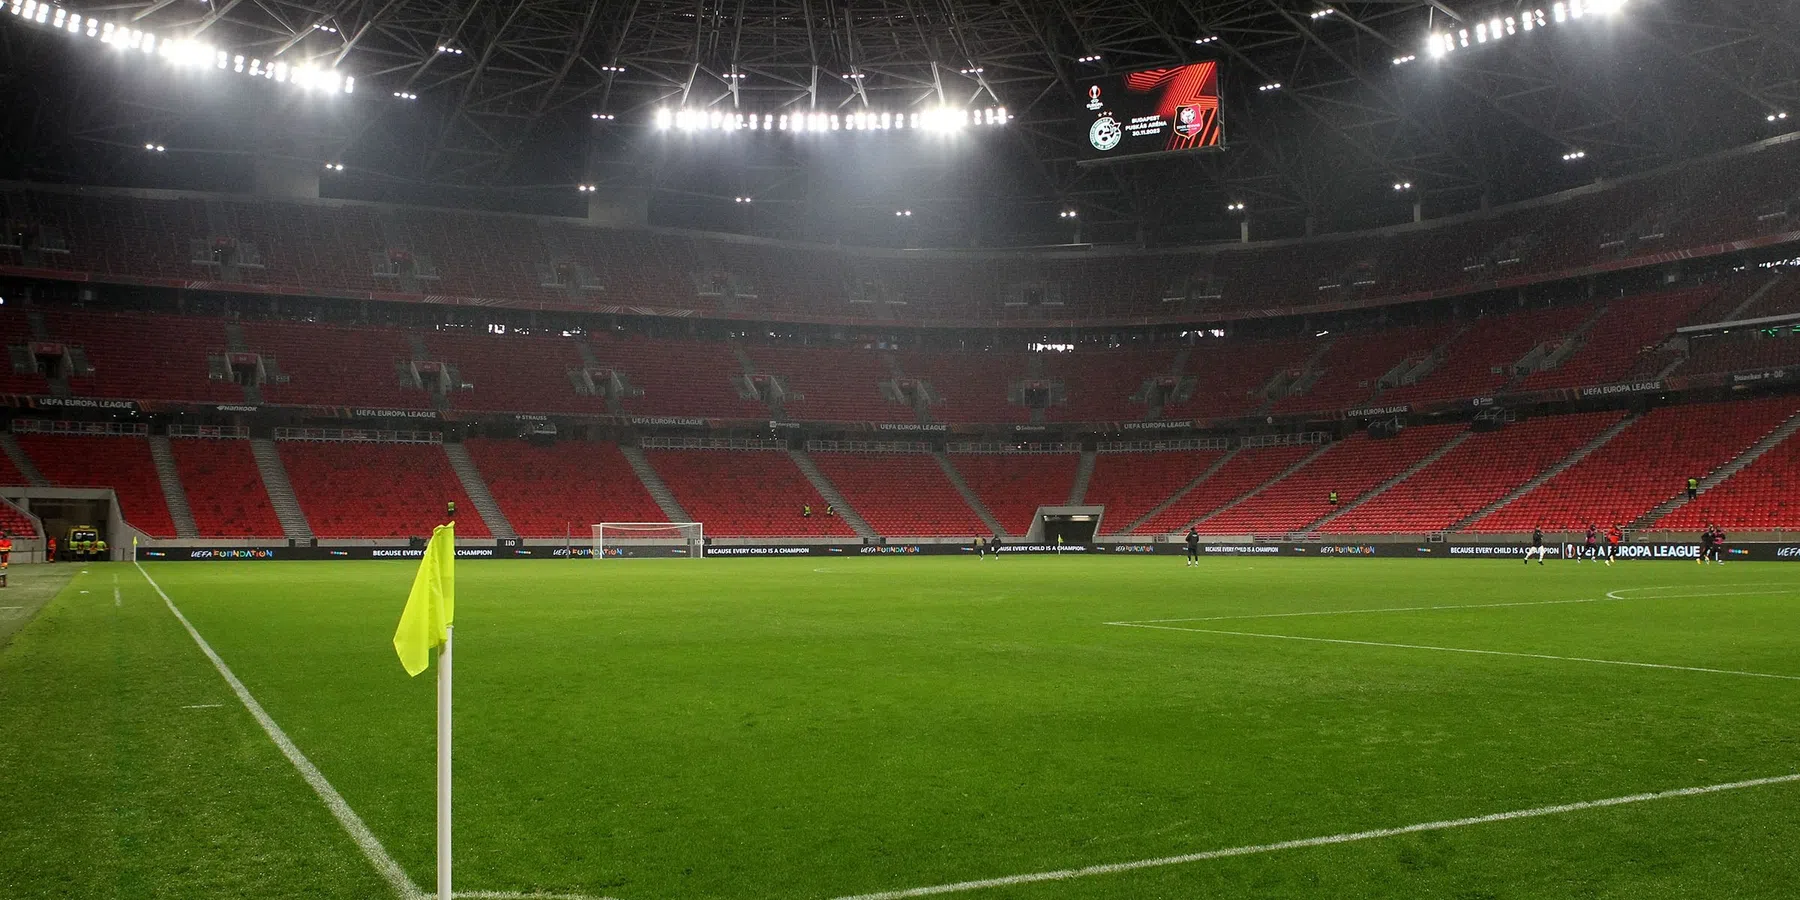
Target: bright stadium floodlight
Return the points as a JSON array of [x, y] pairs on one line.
[[1234, 207], [1500, 27], [1574, 155], [179, 52]]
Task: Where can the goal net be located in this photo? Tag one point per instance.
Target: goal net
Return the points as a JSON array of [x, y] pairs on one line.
[[649, 539]]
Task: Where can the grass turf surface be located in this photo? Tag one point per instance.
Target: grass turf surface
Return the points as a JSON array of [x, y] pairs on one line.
[[807, 729]]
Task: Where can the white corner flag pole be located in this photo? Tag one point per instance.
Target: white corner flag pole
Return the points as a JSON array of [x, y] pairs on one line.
[[443, 768]]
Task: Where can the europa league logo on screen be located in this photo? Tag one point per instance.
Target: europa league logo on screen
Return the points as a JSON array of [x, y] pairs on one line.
[[1093, 96]]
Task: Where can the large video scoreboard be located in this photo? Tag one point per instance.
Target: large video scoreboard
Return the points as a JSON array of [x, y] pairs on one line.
[[1154, 111]]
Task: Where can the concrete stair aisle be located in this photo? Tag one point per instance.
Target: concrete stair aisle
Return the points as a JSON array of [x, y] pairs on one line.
[[659, 491], [173, 493], [830, 492], [1303, 463], [281, 491], [1174, 498], [1084, 473], [21, 461], [968, 494], [1717, 476], [476, 487], [1383, 487], [1547, 474]]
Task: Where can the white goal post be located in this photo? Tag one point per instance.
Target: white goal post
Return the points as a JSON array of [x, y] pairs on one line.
[[650, 539]]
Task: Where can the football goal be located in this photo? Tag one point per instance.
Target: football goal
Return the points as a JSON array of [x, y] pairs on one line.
[[649, 539]]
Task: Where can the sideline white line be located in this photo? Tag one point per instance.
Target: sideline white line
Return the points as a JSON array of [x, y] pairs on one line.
[[1445, 825], [117, 600], [204, 706], [353, 824], [1583, 659], [1349, 612], [1610, 595], [365, 839]]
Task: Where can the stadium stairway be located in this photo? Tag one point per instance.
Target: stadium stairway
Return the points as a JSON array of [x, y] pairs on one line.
[[477, 489], [1532, 485], [1719, 475], [1084, 473], [1174, 498], [281, 491], [1304, 461], [830, 492], [968, 494], [1383, 487], [21, 460], [173, 493], [665, 498]]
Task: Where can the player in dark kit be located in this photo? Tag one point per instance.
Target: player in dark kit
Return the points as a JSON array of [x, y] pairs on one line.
[[1718, 545], [1193, 547], [1537, 546], [1706, 544], [1591, 548]]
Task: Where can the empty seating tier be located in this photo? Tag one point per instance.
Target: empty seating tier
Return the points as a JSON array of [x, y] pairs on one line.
[[1244, 472], [1131, 484], [376, 490], [1350, 468], [1647, 463], [1482, 469], [901, 494], [224, 488], [1764, 496], [121, 463], [1013, 485], [563, 489], [757, 493]]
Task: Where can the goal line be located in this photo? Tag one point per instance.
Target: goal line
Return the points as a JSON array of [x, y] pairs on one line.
[[624, 540]]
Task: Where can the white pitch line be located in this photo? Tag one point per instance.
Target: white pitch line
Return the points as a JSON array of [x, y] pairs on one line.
[[1583, 659], [1349, 612], [204, 706], [117, 600], [1609, 594], [1348, 838], [365, 839]]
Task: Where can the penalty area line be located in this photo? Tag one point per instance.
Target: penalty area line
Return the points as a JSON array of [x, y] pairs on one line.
[[1580, 659], [1328, 840]]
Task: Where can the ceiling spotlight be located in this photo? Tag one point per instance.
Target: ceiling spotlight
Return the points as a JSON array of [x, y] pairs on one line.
[[903, 212], [406, 95], [1574, 155], [450, 50], [1403, 60], [1777, 116], [1234, 207], [1402, 185], [586, 188], [334, 167], [1320, 14], [1068, 214], [1090, 58], [326, 28], [973, 70], [154, 148], [1271, 86], [1206, 40], [604, 117], [741, 199]]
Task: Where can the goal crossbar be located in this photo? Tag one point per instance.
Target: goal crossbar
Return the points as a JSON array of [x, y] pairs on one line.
[[679, 538]]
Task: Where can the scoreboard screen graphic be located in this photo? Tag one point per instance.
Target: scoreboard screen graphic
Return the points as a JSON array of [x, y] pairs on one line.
[[1154, 111]]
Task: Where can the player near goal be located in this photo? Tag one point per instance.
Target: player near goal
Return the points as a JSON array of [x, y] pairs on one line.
[[649, 539]]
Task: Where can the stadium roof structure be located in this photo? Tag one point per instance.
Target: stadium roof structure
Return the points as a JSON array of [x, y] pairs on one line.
[[529, 100]]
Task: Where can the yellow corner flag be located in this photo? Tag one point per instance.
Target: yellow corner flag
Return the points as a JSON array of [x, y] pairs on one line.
[[431, 605]]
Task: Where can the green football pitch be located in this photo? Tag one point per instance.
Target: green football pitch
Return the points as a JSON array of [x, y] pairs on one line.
[[814, 729]]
